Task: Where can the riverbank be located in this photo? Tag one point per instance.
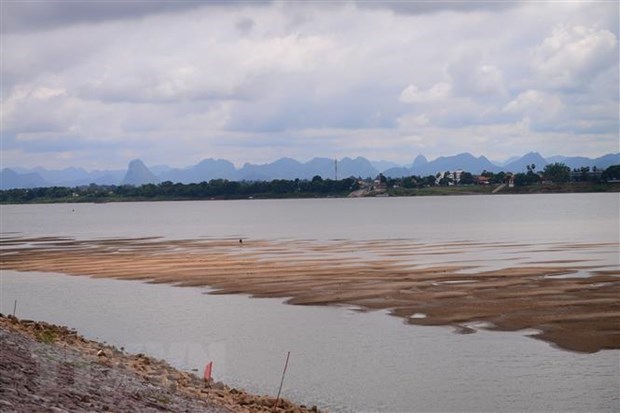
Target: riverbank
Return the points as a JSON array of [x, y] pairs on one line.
[[573, 303], [51, 368], [195, 192], [546, 188]]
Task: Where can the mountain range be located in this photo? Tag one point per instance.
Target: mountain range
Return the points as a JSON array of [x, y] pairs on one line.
[[138, 173]]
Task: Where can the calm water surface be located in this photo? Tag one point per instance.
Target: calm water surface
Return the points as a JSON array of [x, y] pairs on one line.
[[534, 218], [341, 359]]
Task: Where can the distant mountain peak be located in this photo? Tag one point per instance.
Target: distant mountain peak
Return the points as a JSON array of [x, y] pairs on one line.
[[420, 160], [521, 164], [10, 179], [139, 174], [284, 168], [137, 163]]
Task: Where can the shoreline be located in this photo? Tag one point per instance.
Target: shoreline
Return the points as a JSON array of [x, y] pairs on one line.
[[48, 366], [572, 303], [465, 190]]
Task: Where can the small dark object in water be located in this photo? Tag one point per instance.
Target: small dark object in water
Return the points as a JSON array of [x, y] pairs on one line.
[[240, 241]]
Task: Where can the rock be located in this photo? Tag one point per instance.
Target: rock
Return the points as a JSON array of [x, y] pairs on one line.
[[126, 383], [266, 402], [218, 386]]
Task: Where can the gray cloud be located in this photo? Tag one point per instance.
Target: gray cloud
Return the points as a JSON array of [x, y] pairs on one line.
[[22, 16], [430, 6], [175, 84], [19, 16]]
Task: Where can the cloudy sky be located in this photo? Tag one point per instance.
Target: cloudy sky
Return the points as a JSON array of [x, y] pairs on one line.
[[96, 84]]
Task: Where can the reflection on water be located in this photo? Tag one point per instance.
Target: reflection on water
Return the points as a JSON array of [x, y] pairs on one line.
[[340, 359]]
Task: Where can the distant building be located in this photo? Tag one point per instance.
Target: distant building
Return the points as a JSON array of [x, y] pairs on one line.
[[577, 175], [482, 180], [454, 177]]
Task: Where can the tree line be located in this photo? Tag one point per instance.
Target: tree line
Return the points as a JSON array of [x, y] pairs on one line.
[[214, 189], [283, 188]]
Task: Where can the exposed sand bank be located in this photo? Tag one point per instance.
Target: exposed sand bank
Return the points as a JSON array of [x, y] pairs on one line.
[[572, 300]]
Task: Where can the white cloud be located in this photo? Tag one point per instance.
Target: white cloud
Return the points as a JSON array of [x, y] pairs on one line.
[[439, 91], [413, 121], [573, 56], [535, 103], [472, 77]]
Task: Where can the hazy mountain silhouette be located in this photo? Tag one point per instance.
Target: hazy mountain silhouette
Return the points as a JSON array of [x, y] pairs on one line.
[[465, 161], [139, 174], [287, 168], [67, 175], [358, 167], [606, 161], [521, 164], [419, 161], [323, 167], [576, 162], [284, 168], [506, 162], [78, 176], [205, 170], [10, 179], [383, 165]]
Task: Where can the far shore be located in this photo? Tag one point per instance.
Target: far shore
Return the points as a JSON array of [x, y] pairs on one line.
[[103, 194], [573, 304]]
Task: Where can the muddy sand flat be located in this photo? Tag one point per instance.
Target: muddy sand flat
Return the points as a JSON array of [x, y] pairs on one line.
[[573, 302]]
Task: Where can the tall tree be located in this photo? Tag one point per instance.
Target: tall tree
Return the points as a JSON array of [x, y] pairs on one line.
[[557, 172]]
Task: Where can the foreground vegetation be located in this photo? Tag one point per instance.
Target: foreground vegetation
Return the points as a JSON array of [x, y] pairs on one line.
[[555, 178]]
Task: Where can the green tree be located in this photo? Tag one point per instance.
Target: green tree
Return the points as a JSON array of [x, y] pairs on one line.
[[611, 173], [446, 179], [410, 182], [429, 180], [557, 172], [498, 178], [520, 179], [466, 179]]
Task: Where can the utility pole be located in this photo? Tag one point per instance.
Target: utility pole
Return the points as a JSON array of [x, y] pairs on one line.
[[336, 169]]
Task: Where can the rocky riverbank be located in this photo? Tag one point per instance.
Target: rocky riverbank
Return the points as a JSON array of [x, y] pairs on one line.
[[44, 367]]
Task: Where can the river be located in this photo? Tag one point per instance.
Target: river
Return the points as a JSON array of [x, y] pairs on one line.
[[341, 359]]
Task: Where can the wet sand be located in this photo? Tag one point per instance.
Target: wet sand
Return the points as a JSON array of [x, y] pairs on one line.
[[569, 297]]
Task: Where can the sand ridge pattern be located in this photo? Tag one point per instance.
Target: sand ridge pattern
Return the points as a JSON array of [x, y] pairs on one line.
[[567, 291]]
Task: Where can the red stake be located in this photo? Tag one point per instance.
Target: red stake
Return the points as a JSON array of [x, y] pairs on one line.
[[207, 374]]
